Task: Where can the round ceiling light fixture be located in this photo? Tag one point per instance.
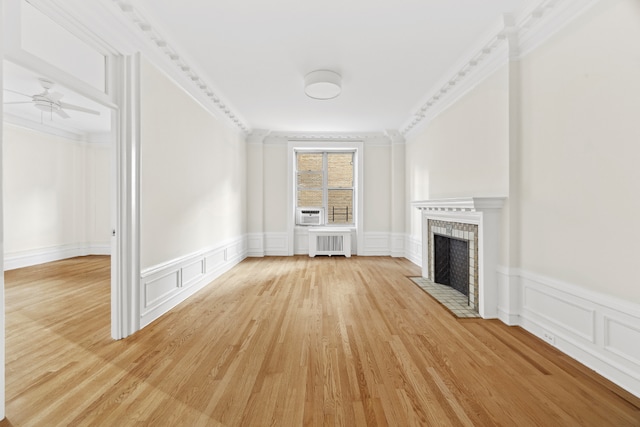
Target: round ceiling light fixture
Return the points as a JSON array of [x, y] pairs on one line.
[[322, 84]]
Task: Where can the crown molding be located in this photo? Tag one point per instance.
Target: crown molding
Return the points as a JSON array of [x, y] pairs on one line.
[[369, 138], [156, 44], [510, 40]]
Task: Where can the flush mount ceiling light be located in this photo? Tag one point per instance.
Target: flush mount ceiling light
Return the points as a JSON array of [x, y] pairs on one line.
[[322, 84]]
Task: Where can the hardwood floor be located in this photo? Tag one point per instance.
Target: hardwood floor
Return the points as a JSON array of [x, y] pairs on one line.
[[285, 342]]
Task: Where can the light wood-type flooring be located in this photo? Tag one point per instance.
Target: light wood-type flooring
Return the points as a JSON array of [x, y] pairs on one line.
[[289, 341]]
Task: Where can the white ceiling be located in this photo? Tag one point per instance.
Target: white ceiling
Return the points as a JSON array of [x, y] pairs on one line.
[[254, 55], [390, 53]]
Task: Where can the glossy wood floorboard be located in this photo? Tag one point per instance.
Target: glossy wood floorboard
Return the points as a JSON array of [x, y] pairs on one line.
[[285, 342]]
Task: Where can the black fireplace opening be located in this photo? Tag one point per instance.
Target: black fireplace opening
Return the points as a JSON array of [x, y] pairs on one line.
[[451, 262]]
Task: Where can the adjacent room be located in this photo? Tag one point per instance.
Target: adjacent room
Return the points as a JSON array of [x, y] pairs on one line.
[[347, 213]]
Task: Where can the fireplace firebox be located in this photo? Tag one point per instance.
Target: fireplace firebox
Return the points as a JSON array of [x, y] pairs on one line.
[[451, 263]]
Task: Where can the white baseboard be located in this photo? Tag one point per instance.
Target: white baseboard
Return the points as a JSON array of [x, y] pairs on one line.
[[166, 285], [54, 253], [599, 331]]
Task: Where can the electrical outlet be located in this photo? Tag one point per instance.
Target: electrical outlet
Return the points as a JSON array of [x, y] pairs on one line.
[[549, 337]]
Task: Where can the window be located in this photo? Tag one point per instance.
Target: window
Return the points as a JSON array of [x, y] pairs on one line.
[[326, 180]]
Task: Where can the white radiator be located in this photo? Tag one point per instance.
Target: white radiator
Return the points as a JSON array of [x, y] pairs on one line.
[[329, 241]]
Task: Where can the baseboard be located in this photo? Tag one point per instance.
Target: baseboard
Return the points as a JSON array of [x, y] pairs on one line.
[[599, 331], [54, 253], [166, 285]]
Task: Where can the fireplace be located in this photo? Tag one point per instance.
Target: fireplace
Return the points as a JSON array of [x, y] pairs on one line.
[[472, 227], [452, 257]]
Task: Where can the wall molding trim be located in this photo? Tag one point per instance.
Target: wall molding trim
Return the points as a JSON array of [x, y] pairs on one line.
[[512, 38], [165, 285], [32, 257], [413, 249], [154, 38], [598, 330]]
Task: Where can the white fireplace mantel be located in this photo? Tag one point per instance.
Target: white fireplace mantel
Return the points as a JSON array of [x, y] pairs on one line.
[[470, 204], [486, 213]]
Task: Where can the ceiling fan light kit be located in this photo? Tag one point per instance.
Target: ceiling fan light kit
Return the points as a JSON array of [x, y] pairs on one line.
[[322, 84]]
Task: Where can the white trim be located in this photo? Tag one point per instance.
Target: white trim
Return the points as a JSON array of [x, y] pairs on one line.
[[255, 244], [376, 244], [460, 204], [3, 24], [398, 245], [277, 244], [413, 249], [165, 285], [53, 253], [598, 330]]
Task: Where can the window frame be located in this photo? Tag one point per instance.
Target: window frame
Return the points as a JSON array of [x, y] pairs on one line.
[[355, 146]]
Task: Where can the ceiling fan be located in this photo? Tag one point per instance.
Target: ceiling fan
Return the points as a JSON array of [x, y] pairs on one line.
[[50, 101]]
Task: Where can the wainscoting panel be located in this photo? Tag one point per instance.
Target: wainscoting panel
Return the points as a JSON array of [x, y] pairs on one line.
[[276, 244], [192, 272], [398, 245], [376, 244], [621, 338], [564, 311], [164, 286], [255, 244], [54, 253], [413, 249], [159, 289], [598, 330], [301, 245]]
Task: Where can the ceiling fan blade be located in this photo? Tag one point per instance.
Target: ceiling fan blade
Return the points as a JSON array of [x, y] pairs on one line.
[[17, 93], [18, 102], [61, 113], [78, 108]]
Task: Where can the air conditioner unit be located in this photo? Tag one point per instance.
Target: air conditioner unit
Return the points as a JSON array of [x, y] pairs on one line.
[[310, 216]]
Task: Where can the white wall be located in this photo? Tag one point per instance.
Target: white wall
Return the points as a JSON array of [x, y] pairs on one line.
[[193, 195], [193, 174], [581, 153], [56, 194], [377, 188], [464, 151], [275, 188]]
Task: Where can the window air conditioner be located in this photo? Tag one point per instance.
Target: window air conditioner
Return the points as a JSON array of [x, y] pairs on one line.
[[310, 216]]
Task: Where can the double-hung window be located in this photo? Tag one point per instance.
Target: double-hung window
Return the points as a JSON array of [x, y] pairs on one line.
[[325, 179]]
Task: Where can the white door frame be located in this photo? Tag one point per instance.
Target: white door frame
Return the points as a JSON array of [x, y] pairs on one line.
[[122, 97]]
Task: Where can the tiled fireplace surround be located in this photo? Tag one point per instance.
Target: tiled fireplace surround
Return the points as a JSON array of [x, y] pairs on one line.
[[476, 220]]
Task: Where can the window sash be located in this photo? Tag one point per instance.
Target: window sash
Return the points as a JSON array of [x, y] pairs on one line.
[[344, 216]]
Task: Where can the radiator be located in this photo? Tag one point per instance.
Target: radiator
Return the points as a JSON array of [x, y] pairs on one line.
[[329, 241]]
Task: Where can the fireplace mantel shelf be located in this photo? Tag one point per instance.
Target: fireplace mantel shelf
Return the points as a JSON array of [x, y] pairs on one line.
[[470, 204]]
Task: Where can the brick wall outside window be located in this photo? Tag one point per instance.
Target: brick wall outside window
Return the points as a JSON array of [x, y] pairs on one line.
[[339, 180]]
